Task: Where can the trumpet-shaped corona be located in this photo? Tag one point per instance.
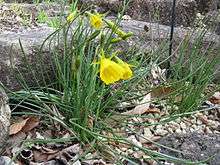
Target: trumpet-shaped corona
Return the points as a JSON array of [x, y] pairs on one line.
[[127, 72], [110, 71]]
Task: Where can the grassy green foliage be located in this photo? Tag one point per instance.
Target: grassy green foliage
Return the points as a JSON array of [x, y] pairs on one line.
[[191, 73], [76, 90], [42, 17], [75, 97]]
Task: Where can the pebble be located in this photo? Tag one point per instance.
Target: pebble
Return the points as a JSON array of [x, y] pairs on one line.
[[191, 130], [217, 132], [77, 163], [193, 121], [147, 135], [134, 140], [184, 131], [170, 130], [207, 130], [183, 125], [161, 132], [6, 160], [204, 119], [178, 131], [174, 125], [138, 154], [178, 120], [199, 122], [126, 17], [212, 124], [194, 126]]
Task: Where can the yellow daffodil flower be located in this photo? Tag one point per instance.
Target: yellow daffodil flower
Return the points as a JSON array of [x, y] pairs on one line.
[[71, 17], [96, 21], [110, 71], [127, 72]]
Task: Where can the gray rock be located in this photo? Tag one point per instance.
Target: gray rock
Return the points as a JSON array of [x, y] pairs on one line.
[[12, 58], [205, 6], [5, 114], [194, 147], [4, 160], [147, 37], [150, 10], [212, 20]]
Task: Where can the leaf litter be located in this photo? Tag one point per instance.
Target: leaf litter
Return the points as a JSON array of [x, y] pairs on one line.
[[139, 127]]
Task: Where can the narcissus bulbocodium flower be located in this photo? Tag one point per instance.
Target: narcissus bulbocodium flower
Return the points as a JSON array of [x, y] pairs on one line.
[[111, 72], [96, 21], [127, 73], [71, 17]]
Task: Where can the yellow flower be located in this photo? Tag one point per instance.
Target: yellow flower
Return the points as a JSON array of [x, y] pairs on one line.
[[96, 21], [127, 72], [71, 17], [110, 71]]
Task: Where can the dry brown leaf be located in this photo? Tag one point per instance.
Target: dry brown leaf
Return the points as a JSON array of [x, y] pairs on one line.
[[39, 156], [90, 122], [24, 125], [153, 110], [17, 138], [142, 108], [17, 127], [203, 119], [46, 154], [161, 91], [31, 123], [215, 99]]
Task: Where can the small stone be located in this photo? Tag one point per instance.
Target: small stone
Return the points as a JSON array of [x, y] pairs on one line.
[[174, 125], [161, 132], [198, 122], [126, 17], [133, 140], [178, 120], [156, 138], [207, 130], [191, 130], [213, 124], [200, 131], [178, 131], [193, 121], [216, 132], [203, 119], [184, 132], [183, 125], [217, 95], [6, 160], [138, 154], [194, 126], [170, 130], [198, 114], [77, 163], [147, 135], [129, 151]]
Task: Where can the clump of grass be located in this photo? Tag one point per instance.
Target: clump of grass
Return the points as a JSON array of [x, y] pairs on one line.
[[42, 17], [192, 72], [77, 91], [76, 97], [54, 22]]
